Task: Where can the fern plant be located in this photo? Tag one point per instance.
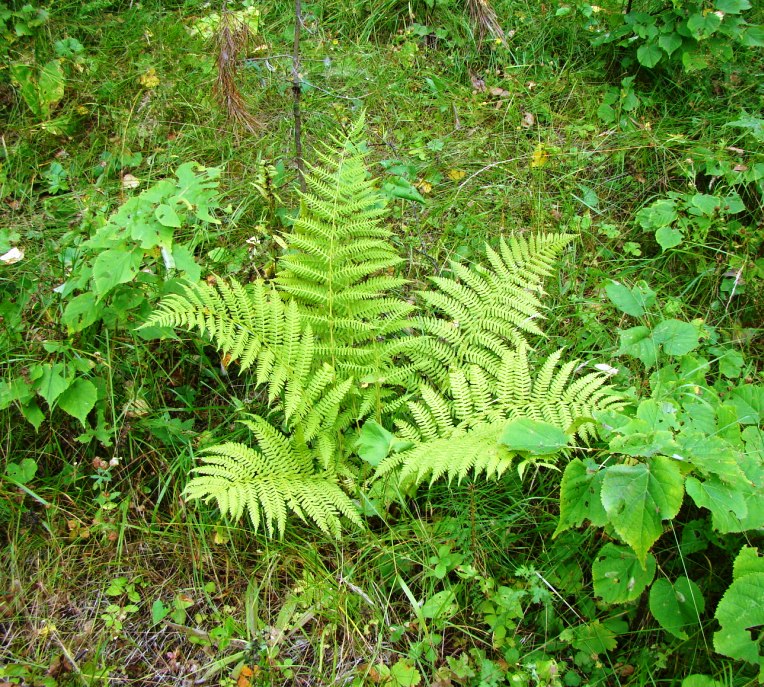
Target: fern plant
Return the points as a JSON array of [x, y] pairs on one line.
[[336, 344]]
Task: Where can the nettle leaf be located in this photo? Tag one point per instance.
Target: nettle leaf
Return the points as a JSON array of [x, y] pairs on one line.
[[677, 606], [649, 55], [634, 301], [580, 496], [637, 498], [669, 237], [619, 576], [741, 610], [749, 402], [677, 337], [375, 443], [536, 437], [79, 399], [114, 267]]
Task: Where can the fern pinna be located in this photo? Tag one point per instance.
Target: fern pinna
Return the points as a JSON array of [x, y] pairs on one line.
[[335, 344]]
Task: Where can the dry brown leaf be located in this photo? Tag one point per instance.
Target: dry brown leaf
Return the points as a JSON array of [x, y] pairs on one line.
[[528, 120], [129, 181]]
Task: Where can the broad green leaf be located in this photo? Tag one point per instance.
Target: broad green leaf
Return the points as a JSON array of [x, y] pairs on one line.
[[742, 608], [536, 437], [159, 611], [580, 496], [439, 605], [594, 638], [24, 76], [749, 403], [403, 674], [632, 301], [707, 204], [618, 575], [22, 472], [184, 261], [668, 237], [699, 680], [753, 37], [638, 342], [79, 399], [649, 54], [167, 216], [397, 187], [81, 312], [32, 413], [711, 454], [375, 443], [677, 337], [732, 6], [52, 383], [677, 607], [661, 213], [637, 498], [670, 42], [113, 267], [702, 25], [50, 86]]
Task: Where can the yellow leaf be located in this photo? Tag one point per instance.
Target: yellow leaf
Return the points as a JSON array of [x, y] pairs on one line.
[[456, 174], [149, 79], [424, 186], [539, 157]]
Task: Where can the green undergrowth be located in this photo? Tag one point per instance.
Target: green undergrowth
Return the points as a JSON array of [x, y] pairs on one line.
[[121, 181]]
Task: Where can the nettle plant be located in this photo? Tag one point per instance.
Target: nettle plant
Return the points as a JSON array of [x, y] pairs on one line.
[[692, 33]]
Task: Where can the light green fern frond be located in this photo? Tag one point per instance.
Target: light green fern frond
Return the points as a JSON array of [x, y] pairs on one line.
[[341, 255], [251, 324], [267, 484], [463, 450], [479, 314], [457, 432]]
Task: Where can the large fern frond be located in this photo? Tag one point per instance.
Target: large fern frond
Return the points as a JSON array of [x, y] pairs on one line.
[[251, 324], [339, 266], [481, 313], [266, 484], [457, 432]]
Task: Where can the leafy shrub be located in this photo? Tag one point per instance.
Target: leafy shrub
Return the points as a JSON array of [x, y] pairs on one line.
[[688, 32]]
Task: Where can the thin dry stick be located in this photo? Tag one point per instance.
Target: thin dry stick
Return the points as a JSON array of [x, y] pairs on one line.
[[231, 38], [297, 92], [484, 18]]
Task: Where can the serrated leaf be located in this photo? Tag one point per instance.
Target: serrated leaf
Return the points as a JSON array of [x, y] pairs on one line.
[[167, 216], [536, 437], [637, 498], [111, 268], [668, 237], [677, 607], [632, 301], [676, 337], [742, 608], [79, 399], [594, 638], [580, 496], [619, 576]]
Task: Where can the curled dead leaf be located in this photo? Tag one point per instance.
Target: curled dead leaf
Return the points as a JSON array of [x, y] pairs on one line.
[[129, 181], [12, 256]]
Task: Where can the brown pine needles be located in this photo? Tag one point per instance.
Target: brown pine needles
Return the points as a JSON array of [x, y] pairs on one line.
[[231, 39]]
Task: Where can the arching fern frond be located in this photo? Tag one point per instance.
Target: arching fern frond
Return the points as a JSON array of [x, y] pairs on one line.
[[251, 324], [482, 313], [457, 432], [267, 484]]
